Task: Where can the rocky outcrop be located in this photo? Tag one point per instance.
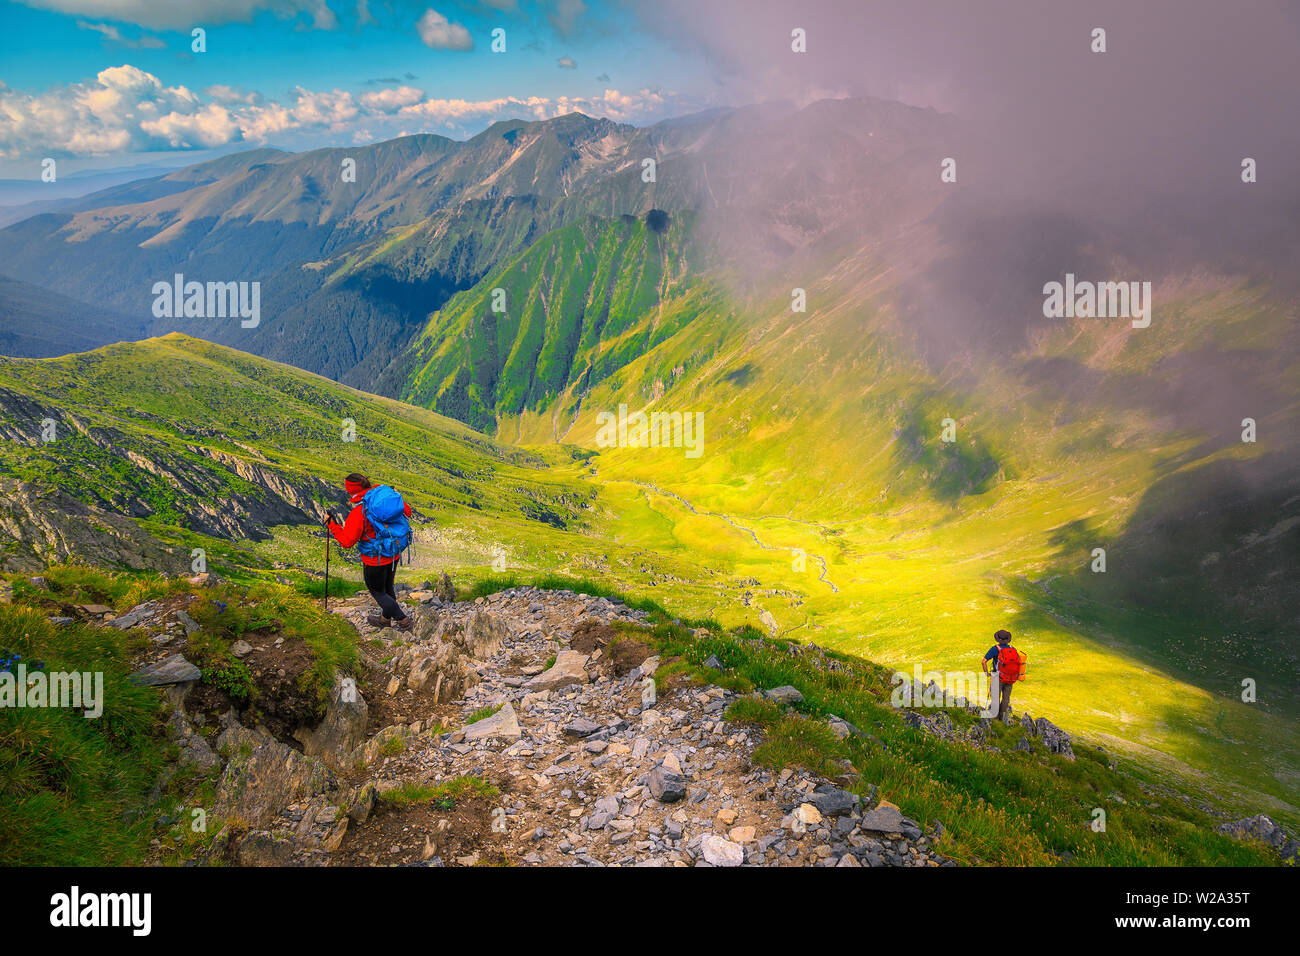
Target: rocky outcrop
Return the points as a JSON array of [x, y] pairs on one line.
[[198, 479], [47, 526], [174, 669], [503, 725], [569, 669], [1053, 737], [435, 661], [1264, 830]]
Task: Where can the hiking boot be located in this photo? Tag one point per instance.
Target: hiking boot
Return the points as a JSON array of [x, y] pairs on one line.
[[405, 624], [378, 620]]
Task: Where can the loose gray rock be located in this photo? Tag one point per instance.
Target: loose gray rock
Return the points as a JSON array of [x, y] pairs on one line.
[[784, 695], [174, 670], [718, 851], [666, 786]]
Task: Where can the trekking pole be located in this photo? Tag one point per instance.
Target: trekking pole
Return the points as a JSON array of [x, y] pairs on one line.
[[327, 568]]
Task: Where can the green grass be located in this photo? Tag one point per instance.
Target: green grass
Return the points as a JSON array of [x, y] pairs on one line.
[[230, 611], [483, 713], [445, 794], [819, 438], [72, 789]]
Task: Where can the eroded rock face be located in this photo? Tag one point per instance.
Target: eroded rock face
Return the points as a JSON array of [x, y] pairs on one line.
[[50, 526], [53, 526], [264, 777], [342, 729], [1053, 737]]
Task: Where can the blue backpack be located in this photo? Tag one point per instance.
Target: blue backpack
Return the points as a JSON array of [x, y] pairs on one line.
[[386, 513]]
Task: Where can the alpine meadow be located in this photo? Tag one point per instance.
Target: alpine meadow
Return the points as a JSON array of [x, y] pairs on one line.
[[766, 388]]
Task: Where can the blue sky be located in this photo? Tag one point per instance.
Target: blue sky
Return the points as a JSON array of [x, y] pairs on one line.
[[110, 82]]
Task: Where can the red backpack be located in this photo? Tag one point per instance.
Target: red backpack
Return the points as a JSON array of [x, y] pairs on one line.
[[1012, 665]]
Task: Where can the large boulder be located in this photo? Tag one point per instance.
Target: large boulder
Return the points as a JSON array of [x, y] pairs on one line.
[[503, 725], [434, 661], [570, 668], [140, 614], [718, 851], [665, 785], [483, 636], [1053, 737], [832, 801], [784, 695], [883, 818]]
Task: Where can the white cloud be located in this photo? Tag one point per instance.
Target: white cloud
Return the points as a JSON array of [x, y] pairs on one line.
[[328, 110], [184, 14], [223, 93], [389, 101], [212, 125], [567, 63], [126, 109], [439, 33]]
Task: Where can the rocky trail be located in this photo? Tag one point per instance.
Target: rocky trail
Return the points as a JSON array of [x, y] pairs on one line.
[[525, 728]]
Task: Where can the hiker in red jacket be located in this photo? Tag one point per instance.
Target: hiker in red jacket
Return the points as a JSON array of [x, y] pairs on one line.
[[378, 569]]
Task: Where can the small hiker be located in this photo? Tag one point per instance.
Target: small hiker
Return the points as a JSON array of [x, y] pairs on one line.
[[377, 525], [1008, 667]]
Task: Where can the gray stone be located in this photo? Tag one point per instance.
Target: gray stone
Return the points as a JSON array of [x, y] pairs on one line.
[[569, 669], [666, 786], [1262, 828], [607, 805], [886, 818], [133, 617], [582, 727], [504, 724], [174, 670], [342, 729], [784, 695], [832, 801], [718, 851]]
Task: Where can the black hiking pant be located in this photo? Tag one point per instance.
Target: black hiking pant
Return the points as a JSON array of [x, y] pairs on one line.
[[379, 580]]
